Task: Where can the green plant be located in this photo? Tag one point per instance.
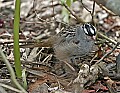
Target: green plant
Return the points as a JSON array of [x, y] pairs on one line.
[[16, 39], [65, 12]]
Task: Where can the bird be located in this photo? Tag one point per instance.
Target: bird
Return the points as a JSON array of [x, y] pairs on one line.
[[74, 42]]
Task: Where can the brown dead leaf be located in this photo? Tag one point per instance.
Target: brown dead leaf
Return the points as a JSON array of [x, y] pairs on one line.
[[99, 86]]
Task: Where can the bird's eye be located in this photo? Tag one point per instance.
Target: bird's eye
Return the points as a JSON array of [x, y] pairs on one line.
[[89, 29]]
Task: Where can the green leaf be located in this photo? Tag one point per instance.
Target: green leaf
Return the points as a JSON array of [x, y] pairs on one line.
[[68, 2], [16, 39], [65, 15], [63, 1], [24, 78]]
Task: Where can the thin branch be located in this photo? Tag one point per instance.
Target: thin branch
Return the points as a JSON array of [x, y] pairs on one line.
[[92, 14], [85, 7], [53, 10], [105, 37], [73, 13], [108, 53]]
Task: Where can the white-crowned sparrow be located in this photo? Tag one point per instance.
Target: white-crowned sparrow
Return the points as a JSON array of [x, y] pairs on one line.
[[72, 42], [75, 42]]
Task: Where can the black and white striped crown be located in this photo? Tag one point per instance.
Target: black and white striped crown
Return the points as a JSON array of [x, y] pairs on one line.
[[89, 29]]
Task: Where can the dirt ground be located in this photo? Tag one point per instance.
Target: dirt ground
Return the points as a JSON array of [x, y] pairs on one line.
[[45, 73]]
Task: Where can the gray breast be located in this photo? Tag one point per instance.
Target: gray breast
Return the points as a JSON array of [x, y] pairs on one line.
[[73, 45]]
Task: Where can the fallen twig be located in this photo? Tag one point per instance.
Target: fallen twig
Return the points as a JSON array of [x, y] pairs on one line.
[[108, 53]]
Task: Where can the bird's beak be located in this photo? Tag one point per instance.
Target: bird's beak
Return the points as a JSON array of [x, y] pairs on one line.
[[94, 37]]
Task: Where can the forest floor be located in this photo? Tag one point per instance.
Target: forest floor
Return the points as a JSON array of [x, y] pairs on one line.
[[40, 20]]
